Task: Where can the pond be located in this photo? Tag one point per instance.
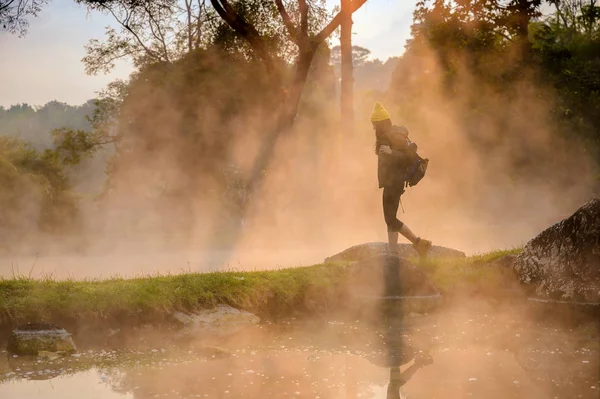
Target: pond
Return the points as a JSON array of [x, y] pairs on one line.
[[476, 352]]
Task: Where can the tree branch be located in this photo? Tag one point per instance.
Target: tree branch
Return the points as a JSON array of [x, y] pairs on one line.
[[197, 31], [107, 64], [504, 35], [335, 22], [244, 29], [287, 21], [125, 24], [188, 7], [5, 6], [158, 36], [115, 140], [303, 17]]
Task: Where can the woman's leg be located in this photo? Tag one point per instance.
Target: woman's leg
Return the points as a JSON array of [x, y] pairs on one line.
[[391, 201], [393, 240], [410, 236]]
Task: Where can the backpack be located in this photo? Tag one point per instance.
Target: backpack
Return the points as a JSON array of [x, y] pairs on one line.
[[416, 169]]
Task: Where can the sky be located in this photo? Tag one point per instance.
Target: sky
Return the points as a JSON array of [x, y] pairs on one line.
[[46, 65]]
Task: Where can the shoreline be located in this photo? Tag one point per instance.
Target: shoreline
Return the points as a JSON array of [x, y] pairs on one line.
[[269, 294]]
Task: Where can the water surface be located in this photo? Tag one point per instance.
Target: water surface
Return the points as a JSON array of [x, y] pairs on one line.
[[476, 353]]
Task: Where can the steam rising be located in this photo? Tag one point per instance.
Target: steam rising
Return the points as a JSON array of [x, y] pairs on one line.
[[497, 175]]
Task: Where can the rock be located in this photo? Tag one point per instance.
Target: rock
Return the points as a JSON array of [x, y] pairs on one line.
[[394, 282], [563, 262], [33, 338], [365, 251], [221, 320]]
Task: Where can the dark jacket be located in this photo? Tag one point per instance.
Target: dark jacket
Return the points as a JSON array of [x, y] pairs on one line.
[[391, 167]]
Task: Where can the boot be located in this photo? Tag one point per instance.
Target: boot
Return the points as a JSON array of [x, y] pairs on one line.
[[422, 247]]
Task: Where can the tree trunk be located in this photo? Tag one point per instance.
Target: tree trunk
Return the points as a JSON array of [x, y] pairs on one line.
[[347, 85], [523, 15], [188, 7]]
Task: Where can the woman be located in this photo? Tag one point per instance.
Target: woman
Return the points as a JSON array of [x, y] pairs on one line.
[[392, 148]]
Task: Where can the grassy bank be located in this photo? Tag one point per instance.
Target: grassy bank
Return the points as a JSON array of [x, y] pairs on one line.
[[481, 274], [140, 300]]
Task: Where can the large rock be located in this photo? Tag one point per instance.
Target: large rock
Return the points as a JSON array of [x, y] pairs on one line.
[[392, 281], [221, 320], [33, 338], [563, 262], [366, 251]]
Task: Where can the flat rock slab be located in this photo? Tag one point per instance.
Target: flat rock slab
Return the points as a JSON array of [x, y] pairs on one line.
[[35, 338], [221, 320], [368, 250], [563, 262]]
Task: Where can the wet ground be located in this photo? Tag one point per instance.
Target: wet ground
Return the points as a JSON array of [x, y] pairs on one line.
[[458, 353]]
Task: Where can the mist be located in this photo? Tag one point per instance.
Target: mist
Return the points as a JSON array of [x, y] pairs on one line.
[[176, 196]]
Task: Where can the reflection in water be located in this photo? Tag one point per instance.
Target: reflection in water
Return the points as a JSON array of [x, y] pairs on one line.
[[398, 379], [392, 317], [91, 384], [336, 361]]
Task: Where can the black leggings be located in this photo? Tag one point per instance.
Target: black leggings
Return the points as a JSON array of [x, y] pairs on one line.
[[391, 200]]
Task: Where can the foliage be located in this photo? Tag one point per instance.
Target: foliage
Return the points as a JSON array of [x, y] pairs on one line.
[[567, 48], [149, 31], [171, 137], [263, 15], [167, 30], [176, 125], [14, 13], [497, 88], [35, 124], [178, 122], [35, 193]]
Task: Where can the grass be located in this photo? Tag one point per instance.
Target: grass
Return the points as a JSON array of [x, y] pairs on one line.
[[23, 298], [265, 292], [475, 274]]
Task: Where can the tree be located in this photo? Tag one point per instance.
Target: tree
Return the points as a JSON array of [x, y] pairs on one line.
[[521, 13], [150, 31], [34, 124], [468, 60], [36, 195], [346, 93], [307, 45], [573, 15], [254, 58], [14, 13], [566, 46]]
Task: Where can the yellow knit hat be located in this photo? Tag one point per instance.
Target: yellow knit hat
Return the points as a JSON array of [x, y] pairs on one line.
[[379, 113]]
